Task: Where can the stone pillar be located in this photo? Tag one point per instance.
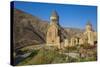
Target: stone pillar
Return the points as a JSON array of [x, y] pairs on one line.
[[76, 41], [66, 43], [81, 41], [72, 42]]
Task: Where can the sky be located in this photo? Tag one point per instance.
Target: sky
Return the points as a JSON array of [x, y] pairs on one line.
[[75, 16]]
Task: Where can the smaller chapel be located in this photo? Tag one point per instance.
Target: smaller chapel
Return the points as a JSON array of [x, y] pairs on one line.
[[90, 34]]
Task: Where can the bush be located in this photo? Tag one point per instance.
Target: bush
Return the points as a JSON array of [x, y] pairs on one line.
[[44, 56], [70, 59], [27, 59]]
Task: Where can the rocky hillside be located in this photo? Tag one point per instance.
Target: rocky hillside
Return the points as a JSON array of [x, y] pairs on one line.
[[74, 32], [30, 30]]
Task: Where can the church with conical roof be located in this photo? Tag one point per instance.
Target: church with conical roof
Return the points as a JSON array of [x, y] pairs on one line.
[[53, 32], [90, 34], [53, 36]]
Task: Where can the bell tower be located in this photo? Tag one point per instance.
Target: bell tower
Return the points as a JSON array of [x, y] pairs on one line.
[[53, 38]]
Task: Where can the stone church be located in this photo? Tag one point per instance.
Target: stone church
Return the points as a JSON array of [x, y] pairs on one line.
[[53, 32], [53, 37], [90, 34]]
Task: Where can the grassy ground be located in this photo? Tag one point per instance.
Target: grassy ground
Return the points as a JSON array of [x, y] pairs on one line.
[[44, 56], [51, 55]]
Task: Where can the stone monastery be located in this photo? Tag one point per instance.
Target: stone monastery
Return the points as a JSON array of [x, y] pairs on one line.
[[53, 37]]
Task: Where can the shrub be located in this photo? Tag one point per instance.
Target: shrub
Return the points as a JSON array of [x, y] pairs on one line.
[[44, 56]]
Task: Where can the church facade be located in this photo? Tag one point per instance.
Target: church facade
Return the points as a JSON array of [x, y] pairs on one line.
[[53, 32], [53, 37]]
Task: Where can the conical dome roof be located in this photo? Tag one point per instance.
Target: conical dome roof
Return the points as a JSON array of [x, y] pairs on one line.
[[88, 23], [54, 13]]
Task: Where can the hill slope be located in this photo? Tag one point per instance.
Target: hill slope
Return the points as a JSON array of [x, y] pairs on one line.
[[30, 30]]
